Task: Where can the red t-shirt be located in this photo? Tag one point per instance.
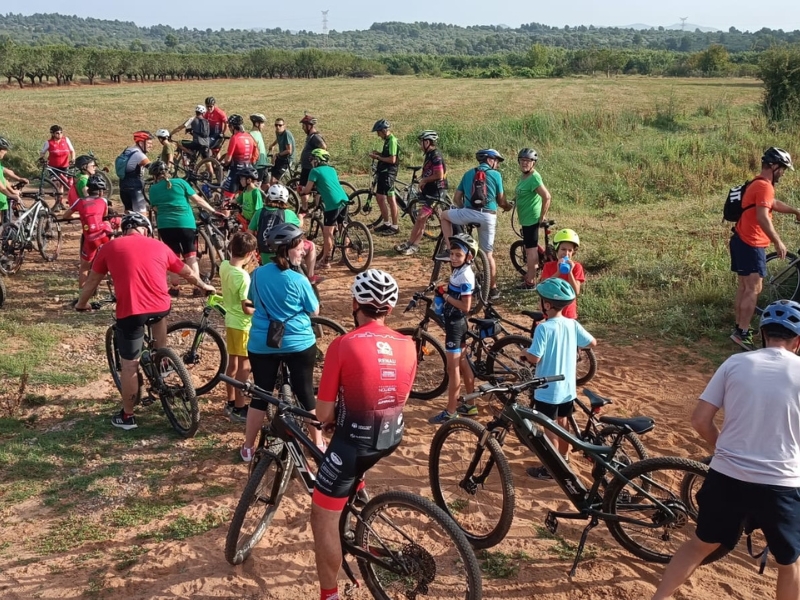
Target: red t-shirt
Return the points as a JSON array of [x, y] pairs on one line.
[[761, 193], [58, 152], [241, 147], [550, 269], [216, 121], [138, 266]]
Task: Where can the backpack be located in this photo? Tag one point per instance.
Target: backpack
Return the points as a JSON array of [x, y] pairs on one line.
[[266, 221], [732, 211], [121, 162], [478, 196]]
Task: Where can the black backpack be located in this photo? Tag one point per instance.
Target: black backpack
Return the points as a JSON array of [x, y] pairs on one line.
[[266, 221], [478, 196], [732, 211]]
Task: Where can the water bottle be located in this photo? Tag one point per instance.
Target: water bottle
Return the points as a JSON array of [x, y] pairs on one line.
[[206, 190], [145, 357], [563, 266], [438, 304]]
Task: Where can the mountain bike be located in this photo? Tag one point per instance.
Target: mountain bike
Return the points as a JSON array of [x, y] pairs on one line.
[[294, 187], [546, 250], [782, 281], [642, 504], [351, 238], [196, 172], [405, 546], [36, 224]]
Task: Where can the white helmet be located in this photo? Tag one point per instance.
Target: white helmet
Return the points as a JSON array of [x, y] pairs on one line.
[[162, 133], [375, 288], [278, 193], [200, 109]]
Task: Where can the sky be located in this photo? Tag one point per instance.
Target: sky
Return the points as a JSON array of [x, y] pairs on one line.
[[360, 14]]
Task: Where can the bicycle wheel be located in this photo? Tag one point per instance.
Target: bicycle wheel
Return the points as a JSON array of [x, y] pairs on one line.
[[357, 246], [3, 292], [433, 227], [109, 191], [418, 550], [632, 450], [431, 380], [472, 482], [209, 170], [480, 266], [325, 330], [45, 187], [115, 365], [586, 365], [348, 188], [256, 508], [369, 207], [207, 258], [13, 251], [353, 205], [515, 226], [177, 393], [503, 364], [782, 281], [655, 536], [519, 257], [203, 352], [48, 236], [690, 485]]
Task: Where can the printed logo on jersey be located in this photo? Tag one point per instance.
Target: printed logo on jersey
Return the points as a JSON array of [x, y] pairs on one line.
[[336, 459], [354, 425], [388, 374], [384, 348]]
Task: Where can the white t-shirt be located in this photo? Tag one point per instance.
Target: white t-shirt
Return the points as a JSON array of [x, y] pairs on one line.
[[760, 437]]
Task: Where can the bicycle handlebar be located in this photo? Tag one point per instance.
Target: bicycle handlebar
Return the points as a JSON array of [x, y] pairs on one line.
[[420, 296], [488, 388], [251, 389]]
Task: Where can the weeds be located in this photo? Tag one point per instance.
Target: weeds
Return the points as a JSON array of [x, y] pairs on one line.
[[500, 565], [562, 548]]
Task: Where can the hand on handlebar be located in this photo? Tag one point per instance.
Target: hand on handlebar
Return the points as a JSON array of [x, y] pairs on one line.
[[328, 428], [441, 290]]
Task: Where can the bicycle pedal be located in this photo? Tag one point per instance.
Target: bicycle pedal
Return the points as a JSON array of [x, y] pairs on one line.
[[551, 522], [147, 400]]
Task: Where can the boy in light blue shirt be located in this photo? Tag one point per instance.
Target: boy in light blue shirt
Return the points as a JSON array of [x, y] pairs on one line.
[[554, 351]]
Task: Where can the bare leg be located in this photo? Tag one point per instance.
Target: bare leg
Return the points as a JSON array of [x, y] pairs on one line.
[[454, 385], [532, 264], [327, 545], [492, 269], [686, 560], [788, 582], [242, 374], [231, 371]]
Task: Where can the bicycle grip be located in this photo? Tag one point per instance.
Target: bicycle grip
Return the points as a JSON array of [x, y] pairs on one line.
[[471, 397]]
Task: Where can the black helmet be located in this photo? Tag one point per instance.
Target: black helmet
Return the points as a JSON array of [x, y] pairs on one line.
[[4, 144], [83, 161], [381, 125], [777, 156], [484, 155], [210, 101], [56, 129], [283, 234], [95, 183], [528, 153], [235, 121], [157, 168], [249, 172], [258, 118], [134, 219]]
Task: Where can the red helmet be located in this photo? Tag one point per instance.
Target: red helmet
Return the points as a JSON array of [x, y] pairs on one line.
[[142, 136], [308, 120]]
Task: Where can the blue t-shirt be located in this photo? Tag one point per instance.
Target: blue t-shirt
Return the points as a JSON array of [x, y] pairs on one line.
[[494, 186], [556, 342], [285, 296]]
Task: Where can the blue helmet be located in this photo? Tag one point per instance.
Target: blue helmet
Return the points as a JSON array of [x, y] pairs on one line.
[[782, 312], [556, 289], [482, 155]]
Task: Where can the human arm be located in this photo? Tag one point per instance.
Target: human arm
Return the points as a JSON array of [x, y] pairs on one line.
[[786, 209], [247, 307], [534, 354], [71, 151], [14, 177], [544, 193], [310, 185], [464, 304], [458, 198], [201, 202], [762, 217], [88, 290], [329, 386], [436, 175], [189, 275], [308, 299], [703, 421]]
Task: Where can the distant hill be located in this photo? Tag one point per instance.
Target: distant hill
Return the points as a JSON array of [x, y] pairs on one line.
[[689, 27]]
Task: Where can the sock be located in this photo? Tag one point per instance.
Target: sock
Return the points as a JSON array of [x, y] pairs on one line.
[[231, 403], [329, 594], [387, 223], [126, 415]]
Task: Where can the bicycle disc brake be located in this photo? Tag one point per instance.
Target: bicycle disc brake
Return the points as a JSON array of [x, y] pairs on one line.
[[680, 521], [421, 566]]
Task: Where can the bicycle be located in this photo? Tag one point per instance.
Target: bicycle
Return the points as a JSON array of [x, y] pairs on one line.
[[196, 172], [546, 252], [294, 187], [36, 224], [351, 238], [405, 546], [782, 281], [55, 182], [641, 503]]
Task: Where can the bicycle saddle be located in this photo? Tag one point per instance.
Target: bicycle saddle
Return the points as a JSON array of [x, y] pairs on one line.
[[596, 400], [533, 314], [413, 168], [637, 425]]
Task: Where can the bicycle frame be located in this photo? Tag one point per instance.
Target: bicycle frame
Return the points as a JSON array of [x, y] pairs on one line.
[[26, 222]]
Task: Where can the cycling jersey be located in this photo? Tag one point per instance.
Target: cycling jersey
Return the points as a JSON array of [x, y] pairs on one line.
[[313, 141], [199, 128], [217, 119], [58, 152], [327, 183], [242, 148], [434, 163], [95, 231], [462, 283], [390, 148], [261, 158]]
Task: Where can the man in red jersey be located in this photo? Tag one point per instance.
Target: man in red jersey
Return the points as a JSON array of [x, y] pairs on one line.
[[60, 153], [242, 153], [366, 380], [138, 265], [217, 123]]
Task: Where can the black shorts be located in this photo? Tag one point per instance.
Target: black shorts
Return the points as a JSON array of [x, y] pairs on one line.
[[304, 176], [280, 167], [133, 199], [333, 217], [301, 375], [129, 333], [553, 411], [199, 148], [725, 503], [262, 172], [530, 235], [385, 183], [746, 260], [231, 183], [455, 334], [181, 241]]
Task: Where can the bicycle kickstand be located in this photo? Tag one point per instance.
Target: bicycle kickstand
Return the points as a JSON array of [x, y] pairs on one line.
[[592, 524]]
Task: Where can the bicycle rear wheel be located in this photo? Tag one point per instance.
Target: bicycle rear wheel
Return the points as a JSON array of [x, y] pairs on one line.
[[503, 363], [207, 258], [472, 482], [325, 330], [418, 550], [433, 226], [109, 191], [586, 365], [357, 246], [431, 380], [519, 257], [209, 170], [782, 281], [12, 251], [177, 393], [48, 236], [202, 351]]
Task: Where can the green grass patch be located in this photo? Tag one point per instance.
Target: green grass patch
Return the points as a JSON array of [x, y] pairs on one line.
[[69, 533], [139, 511], [125, 558], [185, 527], [501, 565], [563, 549], [213, 490]]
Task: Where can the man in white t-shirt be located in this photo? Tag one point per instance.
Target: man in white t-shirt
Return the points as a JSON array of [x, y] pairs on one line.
[[755, 472]]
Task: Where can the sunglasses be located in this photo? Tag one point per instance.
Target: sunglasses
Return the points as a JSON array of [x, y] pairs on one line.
[[278, 124]]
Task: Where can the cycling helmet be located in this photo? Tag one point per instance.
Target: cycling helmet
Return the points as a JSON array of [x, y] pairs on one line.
[[236, 120], [429, 135], [528, 153], [56, 129], [83, 161], [566, 235], [375, 288], [556, 289], [4, 144], [157, 168], [466, 241], [134, 219], [95, 183], [200, 109], [308, 120], [782, 312], [162, 133], [380, 125], [211, 101], [776, 156], [249, 173], [258, 118], [283, 234], [321, 155], [278, 193], [142, 136], [483, 155]]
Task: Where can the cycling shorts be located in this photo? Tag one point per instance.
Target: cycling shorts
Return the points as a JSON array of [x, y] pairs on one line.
[[332, 217], [89, 247], [530, 236], [343, 466], [231, 184], [301, 375], [133, 199], [304, 173], [455, 335], [553, 411], [199, 148], [385, 183], [182, 241], [129, 333]]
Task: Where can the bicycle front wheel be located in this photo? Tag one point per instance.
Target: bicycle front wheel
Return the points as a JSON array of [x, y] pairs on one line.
[[357, 246], [480, 266], [12, 250], [654, 535], [632, 450], [782, 281], [503, 364], [202, 351], [472, 481], [209, 170], [586, 366], [207, 258], [48, 236], [177, 393], [515, 226], [431, 379], [417, 549], [519, 257]]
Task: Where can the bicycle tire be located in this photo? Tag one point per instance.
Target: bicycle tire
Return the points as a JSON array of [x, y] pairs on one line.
[[115, 366], [48, 233], [433, 226], [606, 437], [348, 188], [109, 191], [485, 522], [365, 199], [519, 257], [429, 383], [208, 170], [515, 226], [586, 366], [3, 291], [179, 402], [689, 488], [13, 253], [618, 500], [503, 363], [781, 283], [455, 574], [480, 266], [260, 491], [205, 364], [357, 247], [45, 188], [207, 259], [325, 331], [353, 205]]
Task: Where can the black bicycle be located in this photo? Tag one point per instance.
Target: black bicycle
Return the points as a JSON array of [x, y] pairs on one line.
[[351, 238], [643, 504], [545, 251], [404, 545]]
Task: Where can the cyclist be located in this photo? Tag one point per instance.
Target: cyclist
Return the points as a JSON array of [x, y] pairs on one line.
[[131, 186], [167, 147], [365, 383], [6, 175], [314, 141], [386, 174], [218, 124], [59, 152], [486, 217], [284, 140], [138, 265], [334, 199], [533, 201], [432, 188], [251, 198], [261, 162], [755, 471], [177, 228], [242, 153], [199, 127], [87, 167]]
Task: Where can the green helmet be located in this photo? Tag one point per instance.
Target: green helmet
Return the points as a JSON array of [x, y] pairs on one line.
[[466, 241], [556, 289], [321, 155]]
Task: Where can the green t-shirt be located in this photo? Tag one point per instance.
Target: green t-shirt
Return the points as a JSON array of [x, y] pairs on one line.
[[172, 204], [80, 185], [289, 216], [529, 203], [167, 152], [3, 197], [262, 149], [250, 201], [235, 284], [326, 180], [284, 140], [390, 148]]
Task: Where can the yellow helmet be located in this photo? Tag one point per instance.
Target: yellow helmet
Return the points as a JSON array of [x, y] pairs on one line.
[[566, 235]]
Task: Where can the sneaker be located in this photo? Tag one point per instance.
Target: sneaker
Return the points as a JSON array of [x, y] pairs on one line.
[[413, 249], [227, 410], [322, 265], [390, 230], [382, 228], [401, 248], [246, 454], [494, 294], [442, 417], [526, 286], [316, 279], [123, 422], [468, 410], [744, 339], [444, 255], [174, 292], [540, 473], [238, 415]]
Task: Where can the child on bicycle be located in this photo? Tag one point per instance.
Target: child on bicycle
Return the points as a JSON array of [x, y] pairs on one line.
[[566, 242], [457, 298], [251, 197], [554, 351], [235, 282], [7, 176]]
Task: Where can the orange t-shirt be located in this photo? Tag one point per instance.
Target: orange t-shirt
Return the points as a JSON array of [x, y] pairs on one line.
[[761, 193]]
